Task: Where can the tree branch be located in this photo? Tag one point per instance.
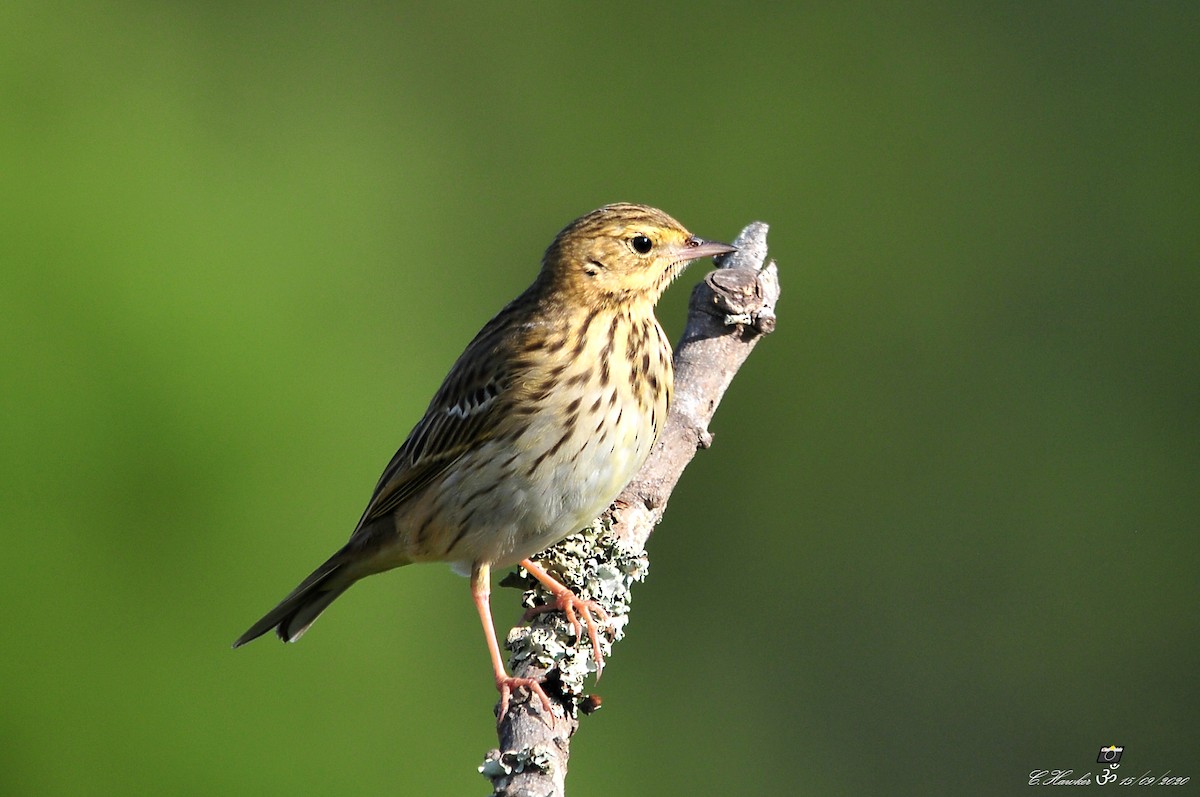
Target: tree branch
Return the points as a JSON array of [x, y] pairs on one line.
[[729, 312]]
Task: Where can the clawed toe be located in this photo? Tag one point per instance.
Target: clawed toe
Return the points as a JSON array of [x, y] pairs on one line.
[[507, 683], [572, 606], [594, 617]]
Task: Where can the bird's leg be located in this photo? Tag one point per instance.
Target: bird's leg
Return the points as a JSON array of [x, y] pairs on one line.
[[572, 606], [481, 588]]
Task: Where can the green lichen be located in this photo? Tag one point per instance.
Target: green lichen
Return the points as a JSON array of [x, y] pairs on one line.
[[502, 765], [595, 565]]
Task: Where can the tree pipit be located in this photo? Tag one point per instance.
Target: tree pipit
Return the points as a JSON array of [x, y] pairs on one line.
[[546, 416]]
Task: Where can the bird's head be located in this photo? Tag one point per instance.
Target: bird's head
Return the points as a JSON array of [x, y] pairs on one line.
[[622, 252]]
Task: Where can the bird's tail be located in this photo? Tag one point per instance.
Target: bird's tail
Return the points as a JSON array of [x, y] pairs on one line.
[[295, 613]]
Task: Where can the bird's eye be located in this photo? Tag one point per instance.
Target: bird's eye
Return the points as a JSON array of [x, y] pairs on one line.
[[641, 244]]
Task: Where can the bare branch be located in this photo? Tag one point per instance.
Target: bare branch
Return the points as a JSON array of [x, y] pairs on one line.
[[728, 314]]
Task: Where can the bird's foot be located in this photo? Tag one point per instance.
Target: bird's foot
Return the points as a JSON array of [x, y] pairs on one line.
[[507, 683], [594, 617]]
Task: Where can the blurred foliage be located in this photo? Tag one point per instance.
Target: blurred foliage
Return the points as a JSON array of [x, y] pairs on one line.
[[946, 535]]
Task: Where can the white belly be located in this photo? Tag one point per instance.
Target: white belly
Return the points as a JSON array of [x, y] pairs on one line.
[[551, 498]]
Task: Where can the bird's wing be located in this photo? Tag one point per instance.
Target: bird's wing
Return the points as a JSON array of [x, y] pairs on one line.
[[467, 410]]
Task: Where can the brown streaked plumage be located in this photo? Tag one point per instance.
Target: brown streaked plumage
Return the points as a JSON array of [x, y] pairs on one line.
[[544, 418]]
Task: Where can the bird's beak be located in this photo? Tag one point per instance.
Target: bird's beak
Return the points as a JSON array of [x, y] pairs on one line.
[[696, 248]]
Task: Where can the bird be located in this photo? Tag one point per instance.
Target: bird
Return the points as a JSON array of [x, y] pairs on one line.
[[544, 418]]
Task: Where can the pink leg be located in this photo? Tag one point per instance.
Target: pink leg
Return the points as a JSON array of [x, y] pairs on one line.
[[481, 589]]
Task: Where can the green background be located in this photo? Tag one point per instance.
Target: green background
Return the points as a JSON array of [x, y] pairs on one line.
[[947, 531]]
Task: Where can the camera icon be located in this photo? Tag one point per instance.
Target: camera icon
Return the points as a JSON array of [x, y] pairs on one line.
[[1110, 754]]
